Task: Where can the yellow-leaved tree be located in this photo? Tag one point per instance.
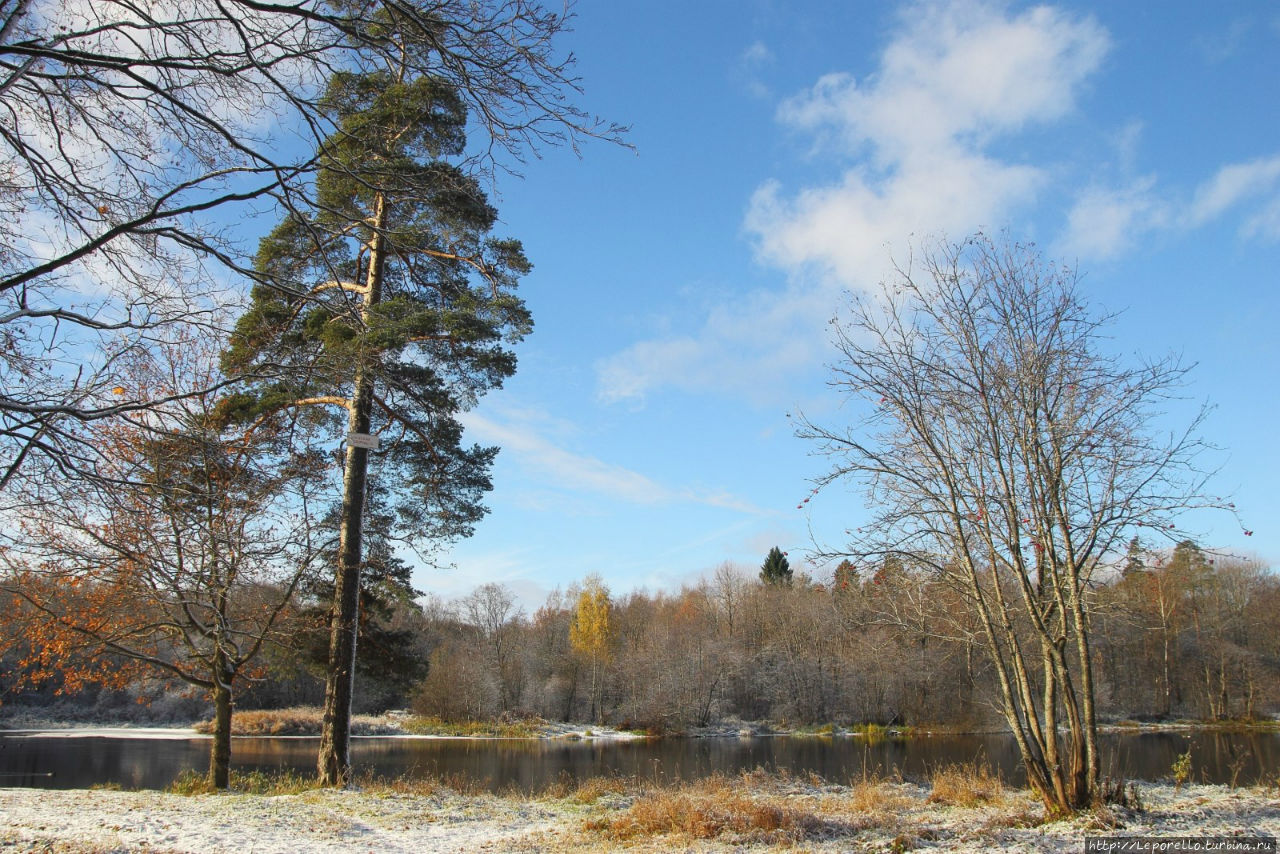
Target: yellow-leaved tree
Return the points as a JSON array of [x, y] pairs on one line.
[[590, 634]]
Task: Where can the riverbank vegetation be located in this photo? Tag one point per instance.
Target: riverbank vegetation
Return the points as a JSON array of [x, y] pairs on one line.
[[839, 651]]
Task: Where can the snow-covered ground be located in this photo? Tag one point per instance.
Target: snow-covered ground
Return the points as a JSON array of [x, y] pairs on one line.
[[384, 820]]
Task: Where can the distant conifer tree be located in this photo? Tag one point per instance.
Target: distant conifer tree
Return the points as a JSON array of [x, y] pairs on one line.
[[1133, 561], [776, 569]]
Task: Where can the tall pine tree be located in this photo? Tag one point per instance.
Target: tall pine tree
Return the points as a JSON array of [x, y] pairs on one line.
[[386, 304]]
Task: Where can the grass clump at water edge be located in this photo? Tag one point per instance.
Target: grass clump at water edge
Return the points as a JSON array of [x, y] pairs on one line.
[[290, 782], [423, 725], [300, 720], [284, 782]]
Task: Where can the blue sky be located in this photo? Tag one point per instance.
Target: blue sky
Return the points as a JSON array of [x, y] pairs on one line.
[[785, 153]]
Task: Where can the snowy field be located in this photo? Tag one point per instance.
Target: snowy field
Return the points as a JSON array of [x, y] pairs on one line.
[[838, 818]]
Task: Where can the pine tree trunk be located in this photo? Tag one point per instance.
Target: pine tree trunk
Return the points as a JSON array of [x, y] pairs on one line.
[[334, 762]]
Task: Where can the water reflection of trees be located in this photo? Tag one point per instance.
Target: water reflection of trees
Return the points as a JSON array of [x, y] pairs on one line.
[[531, 765]]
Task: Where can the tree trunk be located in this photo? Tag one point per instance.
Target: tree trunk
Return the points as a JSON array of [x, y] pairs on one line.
[[595, 676], [1093, 764], [334, 763], [220, 755], [572, 695]]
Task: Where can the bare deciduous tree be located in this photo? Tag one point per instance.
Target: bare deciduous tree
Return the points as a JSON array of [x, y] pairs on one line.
[[491, 608], [1006, 453], [182, 556]]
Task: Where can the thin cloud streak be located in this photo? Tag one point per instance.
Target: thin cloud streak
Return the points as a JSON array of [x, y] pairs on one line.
[[1105, 221], [579, 473]]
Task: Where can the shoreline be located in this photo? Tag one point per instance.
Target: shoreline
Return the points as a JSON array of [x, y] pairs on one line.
[[191, 733], [393, 729]]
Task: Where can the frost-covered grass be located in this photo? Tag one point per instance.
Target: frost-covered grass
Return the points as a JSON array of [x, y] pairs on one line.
[[757, 811], [965, 786]]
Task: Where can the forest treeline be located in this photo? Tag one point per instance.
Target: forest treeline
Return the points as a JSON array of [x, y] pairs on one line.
[[1178, 633]]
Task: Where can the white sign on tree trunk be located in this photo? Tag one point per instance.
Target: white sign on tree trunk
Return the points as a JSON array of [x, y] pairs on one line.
[[362, 440]]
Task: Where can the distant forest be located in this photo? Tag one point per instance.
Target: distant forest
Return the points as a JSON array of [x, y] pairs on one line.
[[1178, 633]]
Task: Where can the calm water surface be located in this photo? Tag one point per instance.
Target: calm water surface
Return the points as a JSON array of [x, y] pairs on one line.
[[80, 762]]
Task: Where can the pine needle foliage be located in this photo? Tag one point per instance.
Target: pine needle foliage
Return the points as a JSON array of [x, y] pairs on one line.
[[385, 299]]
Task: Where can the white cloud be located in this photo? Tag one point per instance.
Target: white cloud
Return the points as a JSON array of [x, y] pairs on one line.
[[520, 570], [1224, 44], [845, 229], [1105, 221], [757, 53], [957, 70], [1232, 185], [751, 62], [577, 473], [748, 346], [568, 470], [1265, 223], [957, 76], [915, 135]]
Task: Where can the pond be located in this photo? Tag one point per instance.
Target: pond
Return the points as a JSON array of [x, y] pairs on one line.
[[71, 762]]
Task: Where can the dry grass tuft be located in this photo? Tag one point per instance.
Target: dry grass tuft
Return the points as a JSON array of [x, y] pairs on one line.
[[299, 721], [190, 782], [877, 797], [517, 728], [302, 720], [1017, 818], [710, 809], [966, 786], [405, 785], [593, 789], [759, 778], [1101, 818]]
